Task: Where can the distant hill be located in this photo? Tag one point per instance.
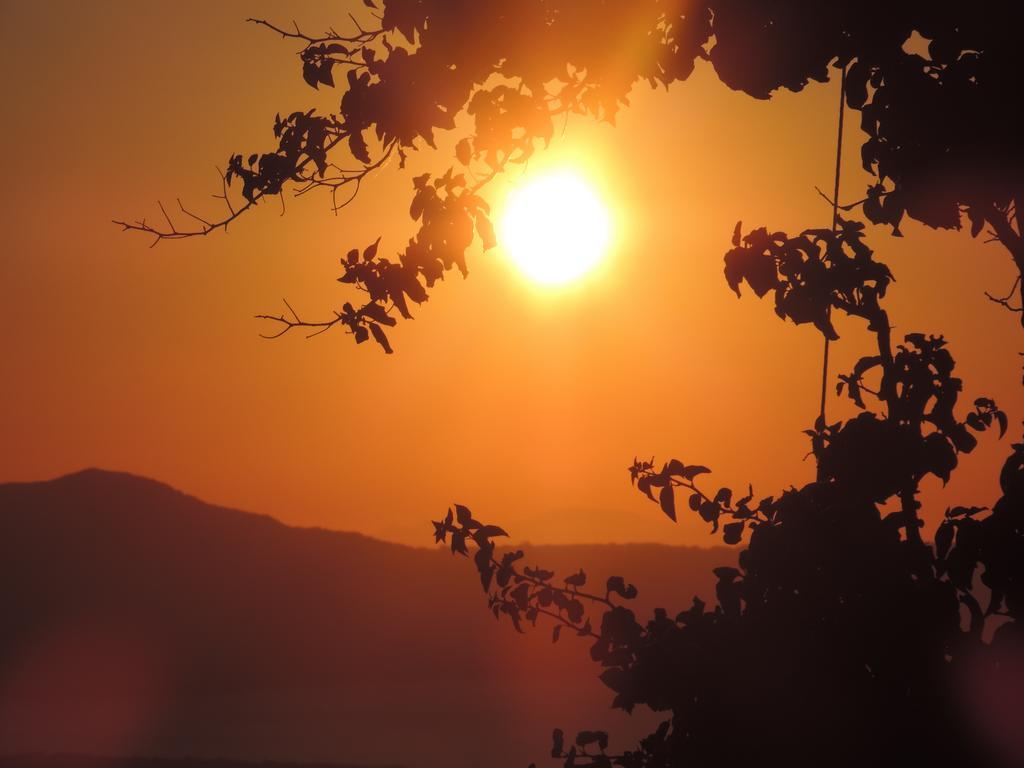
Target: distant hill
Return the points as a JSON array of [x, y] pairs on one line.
[[137, 620]]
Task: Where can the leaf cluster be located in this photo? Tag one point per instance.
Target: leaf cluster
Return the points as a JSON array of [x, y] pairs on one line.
[[837, 598]]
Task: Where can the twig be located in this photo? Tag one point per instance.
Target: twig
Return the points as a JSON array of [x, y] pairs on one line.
[[297, 322], [848, 206], [173, 233], [364, 35], [1005, 301]]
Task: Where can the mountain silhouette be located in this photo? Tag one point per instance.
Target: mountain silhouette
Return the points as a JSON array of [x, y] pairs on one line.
[[137, 620]]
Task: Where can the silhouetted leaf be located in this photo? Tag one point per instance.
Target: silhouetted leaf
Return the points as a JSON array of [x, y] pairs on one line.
[[667, 500], [464, 152], [357, 145], [709, 511], [732, 533], [586, 738], [380, 337], [505, 568], [311, 74], [673, 467], [693, 613], [557, 736], [370, 252], [539, 574], [459, 543], [513, 613], [726, 573], [617, 585], [574, 610], [857, 84], [440, 531], [482, 558], [964, 511], [378, 313], [694, 470], [577, 579], [521, 596]]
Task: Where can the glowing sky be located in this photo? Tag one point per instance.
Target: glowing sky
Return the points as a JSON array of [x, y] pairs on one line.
[[525, 403]]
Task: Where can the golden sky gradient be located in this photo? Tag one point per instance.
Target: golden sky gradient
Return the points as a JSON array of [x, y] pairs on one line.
[[525, 403]]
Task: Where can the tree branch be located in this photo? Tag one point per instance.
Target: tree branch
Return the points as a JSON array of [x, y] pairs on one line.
[[1002, 227], [1005, 301], [171, 232], [330, 36], [848, 206], [297, 322]]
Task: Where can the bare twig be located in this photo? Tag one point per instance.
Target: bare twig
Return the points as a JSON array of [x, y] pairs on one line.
[[848, 206], [330, 36], [297, 322], [206, 226], [345, 178], [1005, 301]]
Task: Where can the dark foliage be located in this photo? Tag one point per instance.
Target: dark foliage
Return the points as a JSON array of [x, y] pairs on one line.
[[840, 637], [941, 121]]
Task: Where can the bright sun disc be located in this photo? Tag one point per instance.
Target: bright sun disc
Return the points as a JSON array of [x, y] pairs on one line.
[[555, 228]]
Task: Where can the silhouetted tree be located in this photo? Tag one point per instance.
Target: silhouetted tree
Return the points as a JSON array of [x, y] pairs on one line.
[[839, 638], [942, 125], [843, 634]]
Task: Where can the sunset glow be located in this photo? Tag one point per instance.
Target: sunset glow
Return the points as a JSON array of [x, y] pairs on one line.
[[555, 227], [420, 383]]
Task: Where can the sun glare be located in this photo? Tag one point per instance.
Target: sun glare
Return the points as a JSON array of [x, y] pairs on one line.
[[555, 227]]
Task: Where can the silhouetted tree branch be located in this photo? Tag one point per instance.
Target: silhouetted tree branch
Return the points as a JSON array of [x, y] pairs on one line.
[[836, 638], [941, 123], [1005, 300], [824, 575]]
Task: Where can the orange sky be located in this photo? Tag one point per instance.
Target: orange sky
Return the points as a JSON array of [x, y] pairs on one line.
[[526, 404]]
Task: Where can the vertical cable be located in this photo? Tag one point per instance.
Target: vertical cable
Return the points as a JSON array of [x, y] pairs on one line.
[[835, 226]]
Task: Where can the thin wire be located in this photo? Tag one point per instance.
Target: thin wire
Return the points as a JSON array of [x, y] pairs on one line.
[[835, 226]]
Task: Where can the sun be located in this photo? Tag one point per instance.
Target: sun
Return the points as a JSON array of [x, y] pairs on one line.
[[555, 227]]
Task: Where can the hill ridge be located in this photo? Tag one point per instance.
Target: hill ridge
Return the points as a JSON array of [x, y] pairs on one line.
[[138, 620], [94, 475]]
